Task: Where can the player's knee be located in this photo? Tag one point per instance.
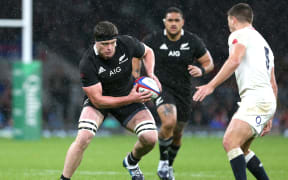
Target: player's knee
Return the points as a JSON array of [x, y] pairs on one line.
[[227, 144], [149, 138], [168, 124], [167, 113], [147, 132], [86, 131], [83, 140]]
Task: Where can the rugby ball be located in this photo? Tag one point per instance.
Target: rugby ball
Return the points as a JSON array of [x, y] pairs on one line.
[[147, 84]]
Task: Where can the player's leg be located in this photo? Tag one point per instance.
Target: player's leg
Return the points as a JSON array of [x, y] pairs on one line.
[[143, 124], [255, 116], [183, 115], [254, 165], [174, 148], [237, 133], [177, 141], [168, 116], [89, 121]]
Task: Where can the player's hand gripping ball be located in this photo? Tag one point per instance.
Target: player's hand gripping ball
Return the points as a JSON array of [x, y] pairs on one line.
[[147, 84]]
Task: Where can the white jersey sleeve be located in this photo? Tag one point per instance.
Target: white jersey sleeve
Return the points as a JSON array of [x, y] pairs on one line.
[[254, 72]]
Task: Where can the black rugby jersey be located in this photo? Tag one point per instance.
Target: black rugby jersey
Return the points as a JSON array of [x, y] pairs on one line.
[[173, 57], [115, 74]]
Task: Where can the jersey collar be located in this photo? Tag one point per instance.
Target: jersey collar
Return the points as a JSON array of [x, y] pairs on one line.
[[165, 32]]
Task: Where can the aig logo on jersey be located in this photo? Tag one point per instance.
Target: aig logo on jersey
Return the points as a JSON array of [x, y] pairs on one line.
[[115, 71], [174, 53]]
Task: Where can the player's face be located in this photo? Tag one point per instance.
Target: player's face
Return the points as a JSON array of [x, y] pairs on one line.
[[173, 23], [106, 49], [231, 22]]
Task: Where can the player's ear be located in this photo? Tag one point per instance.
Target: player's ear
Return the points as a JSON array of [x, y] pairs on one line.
[[233, 20], [164, 20]]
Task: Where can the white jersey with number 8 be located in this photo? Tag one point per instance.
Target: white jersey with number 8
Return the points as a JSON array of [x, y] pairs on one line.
[[254, 72]]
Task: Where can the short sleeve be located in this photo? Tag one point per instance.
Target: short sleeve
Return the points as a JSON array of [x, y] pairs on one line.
[[200, 48], [88, 73], [238, 37], [137, 47]]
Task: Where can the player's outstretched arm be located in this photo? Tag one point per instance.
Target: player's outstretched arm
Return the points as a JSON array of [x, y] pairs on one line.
[[225, 72], [94, 94]]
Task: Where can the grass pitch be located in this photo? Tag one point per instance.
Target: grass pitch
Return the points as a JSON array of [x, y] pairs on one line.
[[199, 159]]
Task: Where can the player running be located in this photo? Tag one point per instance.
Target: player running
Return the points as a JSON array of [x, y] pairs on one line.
[[107, 81], [252, 60], [175, 51]]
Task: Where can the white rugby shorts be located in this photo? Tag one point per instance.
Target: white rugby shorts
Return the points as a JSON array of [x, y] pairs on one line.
[[256, 114]]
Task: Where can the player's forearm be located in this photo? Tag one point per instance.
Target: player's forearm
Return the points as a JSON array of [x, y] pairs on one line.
[[208, 66], [149, 62], [110, 102], [136, 67], [225, 72], [207, 63]]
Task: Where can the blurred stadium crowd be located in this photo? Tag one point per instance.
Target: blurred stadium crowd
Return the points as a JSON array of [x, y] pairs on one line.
[[62, 30]]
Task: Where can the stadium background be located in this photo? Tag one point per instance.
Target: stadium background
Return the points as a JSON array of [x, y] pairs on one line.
[[62, 30]]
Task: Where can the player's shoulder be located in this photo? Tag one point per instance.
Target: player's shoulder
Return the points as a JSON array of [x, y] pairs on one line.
[[125, 38], [87, 56], [190, 35], [244, 32], [126, 41], [88, 53], [243, 35]]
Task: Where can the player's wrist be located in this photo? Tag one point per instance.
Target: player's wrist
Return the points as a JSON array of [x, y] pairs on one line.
[[213, 86], [202, 70], [129, 99], [151, 75]]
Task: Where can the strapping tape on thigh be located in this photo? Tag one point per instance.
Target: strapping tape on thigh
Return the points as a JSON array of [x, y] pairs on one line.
[[87, 124], [144, 126]]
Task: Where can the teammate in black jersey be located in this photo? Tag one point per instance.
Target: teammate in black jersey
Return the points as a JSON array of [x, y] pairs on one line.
[[107, 81], [175, 51]]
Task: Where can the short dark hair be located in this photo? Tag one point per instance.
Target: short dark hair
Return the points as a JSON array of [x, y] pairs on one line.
[[174, 10], [105, 30], [242, 11]]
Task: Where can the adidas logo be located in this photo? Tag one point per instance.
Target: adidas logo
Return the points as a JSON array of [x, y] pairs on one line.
[[184, 46], [164, 46], [101, 70]]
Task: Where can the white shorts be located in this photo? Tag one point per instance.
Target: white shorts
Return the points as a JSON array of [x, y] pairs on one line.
[[257, 114]]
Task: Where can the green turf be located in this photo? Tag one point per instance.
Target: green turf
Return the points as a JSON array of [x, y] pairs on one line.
[[199, 159]]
